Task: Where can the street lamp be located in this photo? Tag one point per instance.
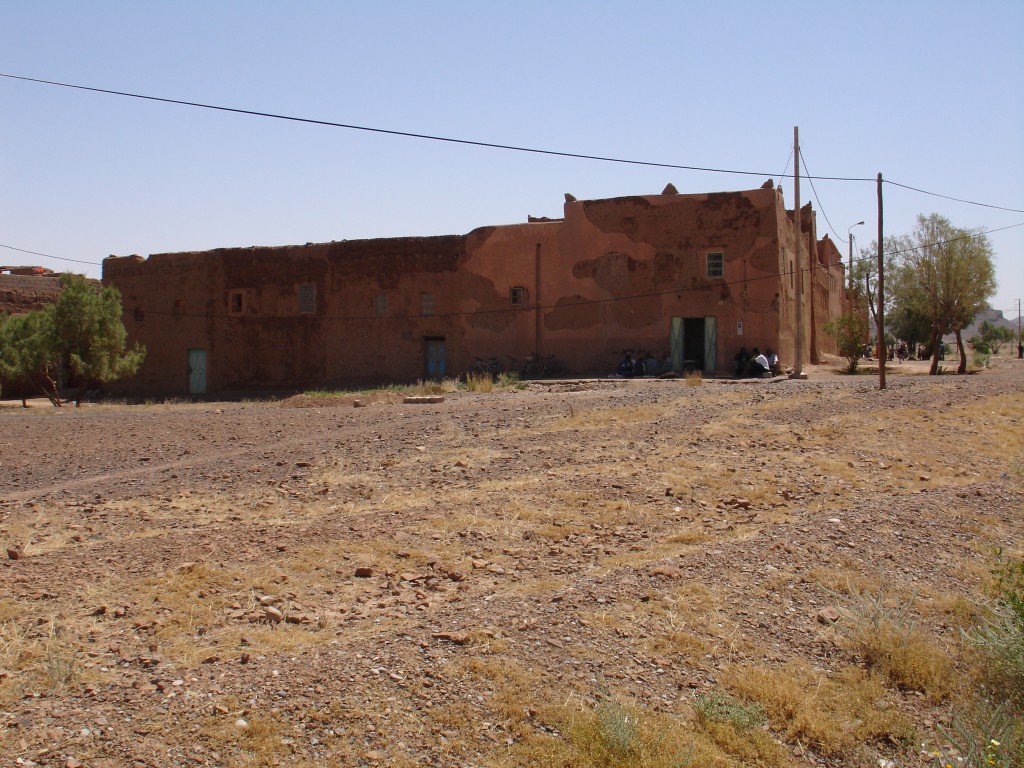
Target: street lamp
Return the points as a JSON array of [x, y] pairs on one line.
[[849, 237]]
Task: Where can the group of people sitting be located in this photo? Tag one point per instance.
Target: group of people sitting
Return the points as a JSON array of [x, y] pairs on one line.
[[755, 363]]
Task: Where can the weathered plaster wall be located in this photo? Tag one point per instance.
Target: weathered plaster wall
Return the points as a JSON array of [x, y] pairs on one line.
[[607, 278], [24, 293]]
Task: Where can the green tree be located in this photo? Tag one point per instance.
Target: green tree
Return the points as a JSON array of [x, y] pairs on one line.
[[945, 274], [991, 337], [26, 355], [849, 330], [82, 328], [89, 334], [909, 325]]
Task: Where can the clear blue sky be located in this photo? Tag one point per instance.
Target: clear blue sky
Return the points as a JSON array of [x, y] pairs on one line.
[[930, 94]]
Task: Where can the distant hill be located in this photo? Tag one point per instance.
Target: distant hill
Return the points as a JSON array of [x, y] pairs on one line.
[[994, 316]]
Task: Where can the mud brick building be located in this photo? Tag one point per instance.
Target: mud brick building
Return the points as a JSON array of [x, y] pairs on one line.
[[24, 289], [694, 276]]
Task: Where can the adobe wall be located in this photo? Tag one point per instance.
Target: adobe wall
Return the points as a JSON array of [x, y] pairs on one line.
[[654, 248], [174, 302], [606, 279], [24, 293]]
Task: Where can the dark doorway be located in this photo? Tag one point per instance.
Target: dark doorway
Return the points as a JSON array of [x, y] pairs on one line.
[[433, 358], [693, 343]]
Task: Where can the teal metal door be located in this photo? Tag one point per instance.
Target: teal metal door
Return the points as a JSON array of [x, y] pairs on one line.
[[197, 371], [675, 343], [433, 352], [710, 344]]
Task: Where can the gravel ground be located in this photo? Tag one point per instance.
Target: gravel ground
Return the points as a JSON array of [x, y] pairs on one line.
[[310, 583]]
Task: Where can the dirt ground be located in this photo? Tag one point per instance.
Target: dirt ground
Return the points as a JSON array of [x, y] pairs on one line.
[[306, 582]]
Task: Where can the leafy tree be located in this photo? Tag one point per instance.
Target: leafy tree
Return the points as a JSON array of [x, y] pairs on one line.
[[89, 334], [910, 325], [849, 330], [865, 280], [26, 355], [991, 337], [82, 328], [945, 274]]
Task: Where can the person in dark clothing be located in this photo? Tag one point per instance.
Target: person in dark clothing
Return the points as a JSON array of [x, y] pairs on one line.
[[759, 365], [740, 362], [625, 369]]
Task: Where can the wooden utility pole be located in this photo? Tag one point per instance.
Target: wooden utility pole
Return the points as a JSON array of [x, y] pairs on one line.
[[798, 362], [881, 295]]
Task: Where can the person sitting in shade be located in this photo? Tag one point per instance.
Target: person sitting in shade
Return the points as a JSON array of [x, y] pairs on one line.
[[740, 362], [758, 365], [651, 367], [773, 362], [625, 369], [638, 365]]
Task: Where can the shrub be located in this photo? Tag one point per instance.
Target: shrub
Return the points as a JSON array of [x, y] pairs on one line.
[[890, 641], [719, 707], [616, 736], [849, 331], [1000, 639]]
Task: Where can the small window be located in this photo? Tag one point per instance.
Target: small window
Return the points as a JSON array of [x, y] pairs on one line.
[[517, 296], [716, 265], [140, 314], [426, 303], [235, 303], [380, 304], [307, 298]]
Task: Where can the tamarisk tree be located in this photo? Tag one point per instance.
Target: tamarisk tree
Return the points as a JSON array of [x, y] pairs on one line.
[[82, 329]]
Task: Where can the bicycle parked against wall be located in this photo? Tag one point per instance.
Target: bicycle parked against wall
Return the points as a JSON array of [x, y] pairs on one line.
[[481, 368], [536, 366]]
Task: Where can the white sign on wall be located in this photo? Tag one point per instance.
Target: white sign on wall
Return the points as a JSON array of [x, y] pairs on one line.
[[739, 327]]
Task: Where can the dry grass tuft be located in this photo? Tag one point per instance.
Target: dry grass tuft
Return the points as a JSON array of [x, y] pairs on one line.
[[835, 714], [886, 637], [37, 657], [479, 382]]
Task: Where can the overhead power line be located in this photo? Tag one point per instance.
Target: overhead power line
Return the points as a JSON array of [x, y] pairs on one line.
[[821, 207], [48, 256], [475, 143], [407, 134]]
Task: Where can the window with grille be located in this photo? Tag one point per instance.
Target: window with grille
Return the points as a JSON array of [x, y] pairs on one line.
[[426, 303], [517, 296], [716, 265], [380, 304]]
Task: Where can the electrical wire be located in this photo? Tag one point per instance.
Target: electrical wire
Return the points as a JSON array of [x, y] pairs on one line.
[[948, 197], [407, 134], [470, 142], [821, 207], [48, 256]]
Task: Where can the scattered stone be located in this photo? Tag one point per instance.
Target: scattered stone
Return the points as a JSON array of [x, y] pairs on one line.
[[273, 615], [15, 552], [829, 615], [363, 572], [456, 638]]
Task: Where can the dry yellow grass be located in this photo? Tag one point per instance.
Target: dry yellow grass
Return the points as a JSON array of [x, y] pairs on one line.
[[835, 714], [567, 512]]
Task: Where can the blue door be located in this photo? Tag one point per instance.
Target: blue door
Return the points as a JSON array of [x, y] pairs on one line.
[[434, 358]]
